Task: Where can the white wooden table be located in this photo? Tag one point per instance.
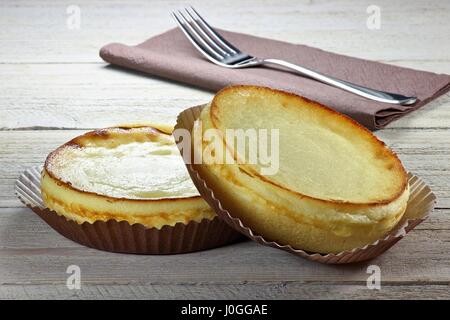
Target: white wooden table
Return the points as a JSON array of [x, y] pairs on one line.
[[53, 86]]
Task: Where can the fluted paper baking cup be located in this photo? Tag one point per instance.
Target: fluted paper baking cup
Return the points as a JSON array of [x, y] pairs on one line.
[[120, 236], [421, 202]]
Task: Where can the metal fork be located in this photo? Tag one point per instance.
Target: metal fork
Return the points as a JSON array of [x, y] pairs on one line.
[[219, 51]]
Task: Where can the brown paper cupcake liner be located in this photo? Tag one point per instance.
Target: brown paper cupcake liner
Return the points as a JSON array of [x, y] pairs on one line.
[[121, 236], [420, 204]]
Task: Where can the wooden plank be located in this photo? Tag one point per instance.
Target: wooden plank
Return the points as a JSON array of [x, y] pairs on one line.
[[424, 152], [273, 290], [94, 95], [418, 258], [32, 253], [41, 27], [88, 96]]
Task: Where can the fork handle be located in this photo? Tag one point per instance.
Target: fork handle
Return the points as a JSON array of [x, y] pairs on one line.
[[368, 93]]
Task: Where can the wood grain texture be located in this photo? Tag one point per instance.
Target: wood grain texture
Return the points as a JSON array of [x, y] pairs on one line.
[[54, 86], [96, 95], [27, 244], [37, 31], [248, 290]]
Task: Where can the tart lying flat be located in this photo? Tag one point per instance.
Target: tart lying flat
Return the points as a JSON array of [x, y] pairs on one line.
[[125, 174]]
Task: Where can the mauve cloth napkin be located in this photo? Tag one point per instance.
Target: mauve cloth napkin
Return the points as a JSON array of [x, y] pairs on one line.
[[170, 55]]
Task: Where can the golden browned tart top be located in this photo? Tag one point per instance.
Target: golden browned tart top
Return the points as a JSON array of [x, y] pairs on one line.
[[322, 154], [131, 163]]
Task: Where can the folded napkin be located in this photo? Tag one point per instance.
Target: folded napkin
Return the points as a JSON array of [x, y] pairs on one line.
[[170, 55]]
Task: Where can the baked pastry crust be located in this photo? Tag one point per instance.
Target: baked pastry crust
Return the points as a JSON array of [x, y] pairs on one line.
[[326, 203], [132, 174]]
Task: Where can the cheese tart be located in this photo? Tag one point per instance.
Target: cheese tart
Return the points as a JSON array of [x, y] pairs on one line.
[[336, 186], [132, 174]]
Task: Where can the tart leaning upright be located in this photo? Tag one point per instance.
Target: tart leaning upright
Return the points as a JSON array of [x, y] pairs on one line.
[[336, 187]]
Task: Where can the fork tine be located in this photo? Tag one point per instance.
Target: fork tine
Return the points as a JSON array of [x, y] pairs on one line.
[[191, 39], [195, 38], [205, 34], [225, 44]]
